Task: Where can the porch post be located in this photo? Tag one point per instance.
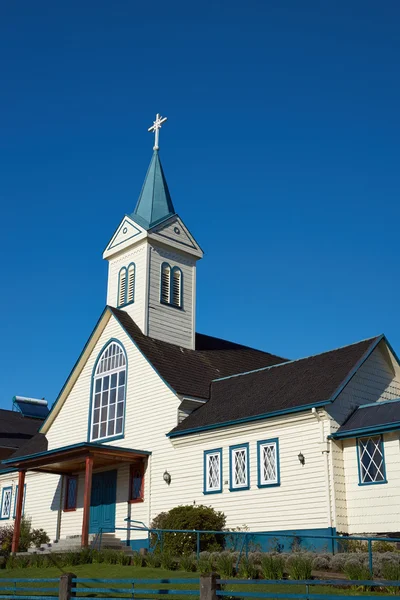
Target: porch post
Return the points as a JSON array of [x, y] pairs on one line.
[[18, 511], [86, 501]]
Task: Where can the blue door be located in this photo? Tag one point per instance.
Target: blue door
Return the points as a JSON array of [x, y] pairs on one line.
[[103, 501]]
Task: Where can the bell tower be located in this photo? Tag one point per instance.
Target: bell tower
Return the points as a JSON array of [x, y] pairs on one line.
[[152, 260]]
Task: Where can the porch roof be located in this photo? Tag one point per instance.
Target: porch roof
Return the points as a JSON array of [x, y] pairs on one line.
[[70, 459]]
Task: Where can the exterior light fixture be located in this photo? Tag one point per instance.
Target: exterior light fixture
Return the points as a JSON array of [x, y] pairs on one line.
[[301, 458], [167, 477]]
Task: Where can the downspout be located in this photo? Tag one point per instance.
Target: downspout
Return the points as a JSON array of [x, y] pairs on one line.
[[325, 451]]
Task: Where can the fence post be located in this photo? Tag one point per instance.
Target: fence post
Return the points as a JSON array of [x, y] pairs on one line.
[[209, 586], [65, 587], [370, 556]]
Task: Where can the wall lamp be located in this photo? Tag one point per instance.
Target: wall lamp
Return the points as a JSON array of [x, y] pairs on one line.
[[301, 458], [167, 477]]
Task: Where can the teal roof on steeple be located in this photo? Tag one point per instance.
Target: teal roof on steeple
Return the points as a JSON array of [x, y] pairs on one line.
[[154, 204]]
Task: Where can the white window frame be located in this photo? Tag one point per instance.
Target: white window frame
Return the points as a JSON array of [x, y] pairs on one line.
[[6, 492], [108, 367], [208, 456], [234, 453], [372, 448], [262, 480]]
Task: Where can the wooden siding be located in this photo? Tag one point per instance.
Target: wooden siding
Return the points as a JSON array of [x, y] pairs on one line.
[[300, 502], [167, 323], [138, 255], [375, 380], [373, 508]]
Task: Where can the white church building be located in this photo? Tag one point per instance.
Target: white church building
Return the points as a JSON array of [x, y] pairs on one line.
[[154, 415]]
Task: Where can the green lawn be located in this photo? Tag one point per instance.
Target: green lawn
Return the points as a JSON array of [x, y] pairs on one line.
[[103, 571]]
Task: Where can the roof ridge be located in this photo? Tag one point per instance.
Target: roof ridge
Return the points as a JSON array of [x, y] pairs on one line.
[[378, 403], [299, 359]]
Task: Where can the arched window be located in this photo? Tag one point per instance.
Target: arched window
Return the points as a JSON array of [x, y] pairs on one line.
[[176, 295], [122, 286], [108, 402], [165, 283], [126, 285], [171, 285]]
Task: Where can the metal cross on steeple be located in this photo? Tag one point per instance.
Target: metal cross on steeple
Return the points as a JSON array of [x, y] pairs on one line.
[[156, 128]]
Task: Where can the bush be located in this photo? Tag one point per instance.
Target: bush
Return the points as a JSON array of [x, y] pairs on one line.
[[167, 561], [320, 563], [205, 563], [187, 563], [28, 537], [225, 565], [194, 517], [338, 561], [383, 546], [272, 566], [152, 560], [247, 569], [299, 566], [357, 570], [137, 559], [391, 572]]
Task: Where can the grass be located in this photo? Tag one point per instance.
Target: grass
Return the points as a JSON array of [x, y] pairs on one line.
[[103, 571]]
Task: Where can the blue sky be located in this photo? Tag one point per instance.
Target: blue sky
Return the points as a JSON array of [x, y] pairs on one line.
[[281, 152]]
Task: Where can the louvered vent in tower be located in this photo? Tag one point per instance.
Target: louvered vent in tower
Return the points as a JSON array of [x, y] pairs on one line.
[[131, 284], [176, 287], [165, 283], [122, 287]]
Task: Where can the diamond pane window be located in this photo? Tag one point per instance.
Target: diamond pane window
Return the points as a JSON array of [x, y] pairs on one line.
[[108, 402], [371, 460], [71, 489], [213, 471], [6, 498], [239, 465], [268, 463]]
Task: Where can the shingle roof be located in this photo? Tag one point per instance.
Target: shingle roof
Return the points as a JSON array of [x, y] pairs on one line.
[[15, 429], [372, 416], [190, 372], [307, 381], [38, 443]]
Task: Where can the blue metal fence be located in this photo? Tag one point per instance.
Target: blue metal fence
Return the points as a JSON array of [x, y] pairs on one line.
[[134, 588], [30, 589]]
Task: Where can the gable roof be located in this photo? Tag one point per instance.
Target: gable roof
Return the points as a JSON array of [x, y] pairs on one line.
[[190, 372], [38, 443], [295, 385], [379, 416], [15, 429]]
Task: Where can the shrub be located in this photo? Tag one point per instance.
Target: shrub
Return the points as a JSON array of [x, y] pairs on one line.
[[248, 569], [391, 572], [383, 546], [337, 562], [167, 561], [187, 563], [299, 566], [272, 566], [320, 563], [28, 537], [205, 564], [357, 570], [152, 560], [137, 559], [193, 517], [225, 564]]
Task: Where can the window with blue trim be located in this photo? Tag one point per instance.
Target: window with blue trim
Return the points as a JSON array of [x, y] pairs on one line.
[[126, 285], [371, 460], [239, 467], [6, 499], [15, 501], [212, 471], [171, 286], [71, 493], [268, 463], [108, 401]]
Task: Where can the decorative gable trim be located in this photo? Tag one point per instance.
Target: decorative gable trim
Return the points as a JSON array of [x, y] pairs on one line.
[[127, 231], [173, 232]]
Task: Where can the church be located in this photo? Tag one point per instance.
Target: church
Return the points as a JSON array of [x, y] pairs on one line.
[[154, 414]]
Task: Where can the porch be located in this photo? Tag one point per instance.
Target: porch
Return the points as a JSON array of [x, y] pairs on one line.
[[69, 461]]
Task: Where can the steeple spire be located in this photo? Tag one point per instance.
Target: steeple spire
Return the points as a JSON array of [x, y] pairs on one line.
[[155, 203]]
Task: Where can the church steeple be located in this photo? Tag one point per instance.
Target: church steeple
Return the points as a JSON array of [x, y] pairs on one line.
[[152, 262], [155, 203]]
